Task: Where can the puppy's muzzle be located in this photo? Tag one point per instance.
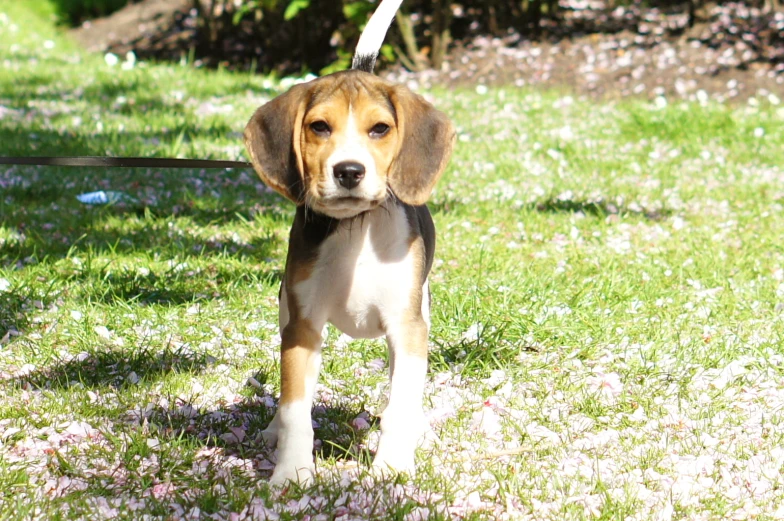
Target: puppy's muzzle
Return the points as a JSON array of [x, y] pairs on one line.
[[349, 174]]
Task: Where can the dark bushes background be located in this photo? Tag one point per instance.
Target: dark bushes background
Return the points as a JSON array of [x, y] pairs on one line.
[[294, 36]]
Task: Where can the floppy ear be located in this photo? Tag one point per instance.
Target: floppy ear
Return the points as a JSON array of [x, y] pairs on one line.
[[426, 138], [272, 138]]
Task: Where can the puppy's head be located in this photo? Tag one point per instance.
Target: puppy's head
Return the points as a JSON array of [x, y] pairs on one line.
[[340, 144]]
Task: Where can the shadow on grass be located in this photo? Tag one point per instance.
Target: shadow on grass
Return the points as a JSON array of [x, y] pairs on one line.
[[237, 428], [31, 90], [199, 268], [139, 91], [166, 288], [19, 139], [17, 304], [596, 208], [41, 223], [14, 309], [49, 227], [111, 367]]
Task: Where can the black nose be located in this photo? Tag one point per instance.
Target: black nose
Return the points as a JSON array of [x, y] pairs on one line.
[[349, 173]]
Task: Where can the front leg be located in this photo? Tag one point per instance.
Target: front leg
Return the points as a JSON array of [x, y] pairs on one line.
[[300, 361], [403, 420]]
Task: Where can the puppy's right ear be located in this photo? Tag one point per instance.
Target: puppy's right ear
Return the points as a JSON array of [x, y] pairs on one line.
[[272, 139]]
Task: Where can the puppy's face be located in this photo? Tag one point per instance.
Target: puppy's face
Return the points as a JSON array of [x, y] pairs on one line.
[[343, 143], [349, 141]]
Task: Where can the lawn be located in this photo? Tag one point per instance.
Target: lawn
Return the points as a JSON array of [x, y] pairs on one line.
[[607, 308]]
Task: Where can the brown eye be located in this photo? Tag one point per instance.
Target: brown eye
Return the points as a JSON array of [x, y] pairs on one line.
[[379, 130], [321, 128]]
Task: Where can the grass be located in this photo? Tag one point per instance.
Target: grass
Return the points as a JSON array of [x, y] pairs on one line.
[[607, 308]]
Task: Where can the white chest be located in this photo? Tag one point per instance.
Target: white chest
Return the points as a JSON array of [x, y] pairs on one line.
[[363, 276]]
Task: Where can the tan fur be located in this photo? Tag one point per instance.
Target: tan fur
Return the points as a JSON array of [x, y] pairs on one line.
[[358, 258], [299, 339], [409, 158], [415, 323], [368, 108]]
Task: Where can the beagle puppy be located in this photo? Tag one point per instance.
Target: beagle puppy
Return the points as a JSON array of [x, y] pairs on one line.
[[359, 157]]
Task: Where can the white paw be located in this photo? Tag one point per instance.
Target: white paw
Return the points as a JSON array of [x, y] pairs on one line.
[[294, 455], [395, 456], [401, 433], [301, 472]]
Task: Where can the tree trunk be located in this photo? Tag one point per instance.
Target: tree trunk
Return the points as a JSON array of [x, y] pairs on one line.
[[442, 19], [516, 18], [492, 19], [406, 27], [552, 9], [692, 13], [534, 16], [403, 57]]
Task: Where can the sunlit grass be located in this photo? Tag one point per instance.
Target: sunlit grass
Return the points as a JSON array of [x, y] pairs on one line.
[[606, 337]]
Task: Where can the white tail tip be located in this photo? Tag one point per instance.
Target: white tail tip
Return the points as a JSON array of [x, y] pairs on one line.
[[372, 38]]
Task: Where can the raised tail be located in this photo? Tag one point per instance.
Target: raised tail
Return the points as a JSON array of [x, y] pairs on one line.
[[372, 37]]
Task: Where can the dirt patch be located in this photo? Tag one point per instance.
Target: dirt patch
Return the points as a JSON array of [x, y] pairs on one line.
[[733, 53], [736, 55], [145, 28]]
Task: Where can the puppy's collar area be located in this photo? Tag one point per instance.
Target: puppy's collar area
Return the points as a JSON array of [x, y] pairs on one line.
[[316, 226]]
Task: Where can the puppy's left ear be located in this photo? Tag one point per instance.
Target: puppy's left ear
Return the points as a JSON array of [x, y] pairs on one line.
[[426, 138]]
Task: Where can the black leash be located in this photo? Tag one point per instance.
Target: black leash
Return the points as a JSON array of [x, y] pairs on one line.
[[122, 162]]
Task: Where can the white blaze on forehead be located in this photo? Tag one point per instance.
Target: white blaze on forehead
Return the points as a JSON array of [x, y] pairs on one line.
[[351, 125], [352, 146], [351, 137]]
